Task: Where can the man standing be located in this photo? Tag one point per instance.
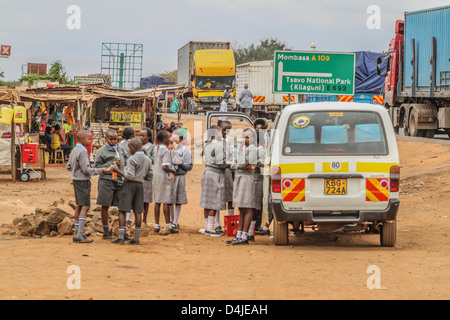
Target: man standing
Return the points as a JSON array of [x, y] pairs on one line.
[[246, 100]]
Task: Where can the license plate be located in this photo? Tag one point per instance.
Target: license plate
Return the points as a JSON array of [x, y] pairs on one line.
[[335, 186]]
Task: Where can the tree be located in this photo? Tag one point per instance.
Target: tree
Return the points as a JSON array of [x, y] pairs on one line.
[[263, 51], [57, 73], [168, 76]]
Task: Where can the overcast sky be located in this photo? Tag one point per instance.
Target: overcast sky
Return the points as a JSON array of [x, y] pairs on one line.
[[37, 30]]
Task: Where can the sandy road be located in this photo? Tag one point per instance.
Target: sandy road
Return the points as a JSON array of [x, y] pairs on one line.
[[194, 266]]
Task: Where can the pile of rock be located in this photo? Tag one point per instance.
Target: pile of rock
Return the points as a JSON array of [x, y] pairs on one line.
[[54, 221]]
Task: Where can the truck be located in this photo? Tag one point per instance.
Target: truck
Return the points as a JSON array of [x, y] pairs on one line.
[[417, 73], [369, 86], [206, 69], [259, 77]]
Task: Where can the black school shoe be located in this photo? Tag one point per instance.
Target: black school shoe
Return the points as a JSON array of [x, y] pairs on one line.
[[107, 236], [82, 239], [250, 238], [231, 240], [134, 242], [263, 232], [118, 241], [239, 241]]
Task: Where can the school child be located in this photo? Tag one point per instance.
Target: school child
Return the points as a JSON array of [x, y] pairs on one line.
[[124, 150], [243, 185], [137, 169], [110, 184], [213, 180], [163, 182], [182, 160], [258, 182], [82, 172], [149, 149], [225, 127]]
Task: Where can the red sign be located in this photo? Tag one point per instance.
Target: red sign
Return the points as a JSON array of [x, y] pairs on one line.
[[5, 50]]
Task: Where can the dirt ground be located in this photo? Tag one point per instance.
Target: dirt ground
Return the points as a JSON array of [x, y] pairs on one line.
[[190, 265]]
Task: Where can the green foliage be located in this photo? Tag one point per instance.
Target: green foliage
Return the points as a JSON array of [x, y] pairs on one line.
[[263, 51], [57, 73], [168, 76]]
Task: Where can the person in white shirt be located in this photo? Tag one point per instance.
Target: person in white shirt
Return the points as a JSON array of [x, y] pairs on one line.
[[223, 103]]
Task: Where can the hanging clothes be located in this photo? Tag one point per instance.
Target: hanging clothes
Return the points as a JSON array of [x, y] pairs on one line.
[[68, 112]]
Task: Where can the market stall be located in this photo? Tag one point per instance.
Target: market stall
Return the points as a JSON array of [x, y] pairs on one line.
[[92, 107]]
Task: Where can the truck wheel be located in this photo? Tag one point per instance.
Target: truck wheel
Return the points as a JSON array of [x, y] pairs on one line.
[[388, 233], [429, 134], [413, 132], [280, 233]]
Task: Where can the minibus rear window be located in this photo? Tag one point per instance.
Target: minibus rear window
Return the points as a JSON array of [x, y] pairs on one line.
[[346, 132]]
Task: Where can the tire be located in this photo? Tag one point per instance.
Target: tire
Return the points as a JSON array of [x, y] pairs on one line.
[[412, 126], [280, 233], [429, 134], [388, 233], [24, 177]]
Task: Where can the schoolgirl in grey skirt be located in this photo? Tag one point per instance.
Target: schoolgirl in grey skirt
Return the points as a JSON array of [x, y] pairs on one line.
[[149, 149], [182, 160], [213, 178], [243, 184]]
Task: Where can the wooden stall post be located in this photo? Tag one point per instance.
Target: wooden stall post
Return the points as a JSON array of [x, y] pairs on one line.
[[13, 152]]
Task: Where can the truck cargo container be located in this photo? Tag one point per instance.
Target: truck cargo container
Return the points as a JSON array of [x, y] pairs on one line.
[[368, 85], [259, 77], [417, 75], [154, 81], [205, 68]]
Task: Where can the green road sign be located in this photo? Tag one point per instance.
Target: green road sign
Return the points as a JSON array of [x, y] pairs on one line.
[[310, 72]]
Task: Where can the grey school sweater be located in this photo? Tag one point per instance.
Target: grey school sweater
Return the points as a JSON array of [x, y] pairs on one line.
[[103, 159], [79, 164], [138, 168]]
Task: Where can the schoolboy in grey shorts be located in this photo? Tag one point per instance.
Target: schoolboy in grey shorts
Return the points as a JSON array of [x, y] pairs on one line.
[[110, 184], [137, 169], [81, 177]]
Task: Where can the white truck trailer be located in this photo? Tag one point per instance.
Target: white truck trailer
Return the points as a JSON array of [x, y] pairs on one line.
[[259, 77]]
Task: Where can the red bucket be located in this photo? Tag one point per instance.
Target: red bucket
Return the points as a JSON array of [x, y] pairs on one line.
[[231, 225]]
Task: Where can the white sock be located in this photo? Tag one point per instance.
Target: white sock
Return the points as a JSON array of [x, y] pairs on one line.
[[210, 225], [157, 226], [244, 235], [265, 228], [176, 214], [206, 223], [129, 216], [231, 212], [239, 234], [252, 227], [217, 218]]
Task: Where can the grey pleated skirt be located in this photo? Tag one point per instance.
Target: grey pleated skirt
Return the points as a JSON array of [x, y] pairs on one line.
[[148, 191], [229, 185], [163, 188], [180, 190], [258, 192], [242, 191], [213, 191]]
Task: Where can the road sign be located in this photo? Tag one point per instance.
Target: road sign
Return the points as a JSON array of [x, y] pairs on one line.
[[310, 72], [5, 51]]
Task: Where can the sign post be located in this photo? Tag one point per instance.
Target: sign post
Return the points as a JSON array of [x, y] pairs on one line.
[[5, 51], [306, 72]]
